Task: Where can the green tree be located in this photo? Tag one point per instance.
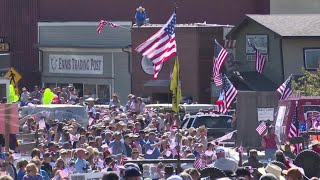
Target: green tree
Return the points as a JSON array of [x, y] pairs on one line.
[[308, 84]]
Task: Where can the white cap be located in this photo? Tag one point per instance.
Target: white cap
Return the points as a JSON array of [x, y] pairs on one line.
[[220, 149]]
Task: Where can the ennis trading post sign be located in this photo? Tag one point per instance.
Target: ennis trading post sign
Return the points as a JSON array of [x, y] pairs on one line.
[[75, 64], [4, 47]]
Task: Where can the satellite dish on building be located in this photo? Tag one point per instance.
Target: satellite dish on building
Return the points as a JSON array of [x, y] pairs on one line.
[[147, 66]]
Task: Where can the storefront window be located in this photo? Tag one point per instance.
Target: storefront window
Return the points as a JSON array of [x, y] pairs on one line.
[[104, 93], [89, 90], [62, 85], [50, 85], [312, 58]]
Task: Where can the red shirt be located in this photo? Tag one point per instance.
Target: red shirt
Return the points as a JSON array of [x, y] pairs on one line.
[[270, 141]]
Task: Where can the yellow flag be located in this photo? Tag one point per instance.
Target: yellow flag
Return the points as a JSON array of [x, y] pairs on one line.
[[175, 87]]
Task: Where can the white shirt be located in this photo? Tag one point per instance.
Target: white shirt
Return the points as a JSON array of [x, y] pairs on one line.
[[225, 164]]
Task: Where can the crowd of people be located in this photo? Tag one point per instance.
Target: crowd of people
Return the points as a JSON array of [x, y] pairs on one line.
[[117, 137]]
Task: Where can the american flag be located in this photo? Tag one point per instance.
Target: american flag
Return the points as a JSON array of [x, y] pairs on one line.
[[199, 163], [229, 92], [285, 89], [261, 128], [105, 23], [160, 47], [294, 130], [64, 173], [220, 55], [260, 59], [217, 80]]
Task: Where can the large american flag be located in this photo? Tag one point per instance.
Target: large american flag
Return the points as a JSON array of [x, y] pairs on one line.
[[161, 46], [285, 89], [220, 56], [105, 23], [229, 92], [294, 130], [260, 59]]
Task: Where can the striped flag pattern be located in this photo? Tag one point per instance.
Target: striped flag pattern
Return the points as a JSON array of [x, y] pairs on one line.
[[294, 130], [260, 58], [198, 163], [217, 80], [64, 173], [285, 89], [230, 44], [229, 92], [261, 128], [105, 23], [220, 56], [160, 47]]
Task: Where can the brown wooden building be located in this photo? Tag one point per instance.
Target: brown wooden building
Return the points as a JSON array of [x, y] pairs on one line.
[[195, 52], [19, 18]]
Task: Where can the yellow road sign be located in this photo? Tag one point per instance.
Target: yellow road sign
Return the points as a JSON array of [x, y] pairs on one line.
[[13, 75]]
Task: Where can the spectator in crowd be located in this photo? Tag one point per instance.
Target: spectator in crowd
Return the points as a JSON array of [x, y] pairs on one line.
[[21, 167], [36, 94], [115, 102], [32, 173], [253, 160], [269, 142], [110, 176], [223, 163], [293, 174], [24, 96]]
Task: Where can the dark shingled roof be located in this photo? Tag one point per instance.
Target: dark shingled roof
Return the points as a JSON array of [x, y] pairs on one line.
[[254, 81], [288, 25]]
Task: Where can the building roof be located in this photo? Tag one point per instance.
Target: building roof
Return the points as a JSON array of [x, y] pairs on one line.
[[195, 25], [254, 81], [288, 25]]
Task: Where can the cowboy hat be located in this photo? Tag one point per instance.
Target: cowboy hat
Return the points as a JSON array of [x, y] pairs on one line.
[[272, 169], [90, 99]]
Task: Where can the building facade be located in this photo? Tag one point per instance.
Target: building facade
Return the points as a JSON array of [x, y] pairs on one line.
[[19, 18], [96, 64], [287, 41]]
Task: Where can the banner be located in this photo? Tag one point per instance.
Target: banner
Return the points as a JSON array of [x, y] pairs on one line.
[[9, 118], [75, 64], [225, 137], [175, 87]]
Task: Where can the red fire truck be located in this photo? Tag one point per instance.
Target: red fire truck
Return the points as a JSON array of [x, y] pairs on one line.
[[308, 110]]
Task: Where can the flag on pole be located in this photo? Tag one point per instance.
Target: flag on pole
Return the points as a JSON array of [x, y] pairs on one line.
[[175, 86], [105, 23], [261, 128], [217, 80], [260, 58], [229, 93], [220, 56], [294, 130], [160, 47], [285, 89]]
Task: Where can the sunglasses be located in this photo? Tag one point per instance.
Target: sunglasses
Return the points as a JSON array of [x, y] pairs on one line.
[[28, 170]]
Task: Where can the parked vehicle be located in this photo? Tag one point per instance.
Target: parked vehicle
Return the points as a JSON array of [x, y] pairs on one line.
[[57, 111], [218, 125]]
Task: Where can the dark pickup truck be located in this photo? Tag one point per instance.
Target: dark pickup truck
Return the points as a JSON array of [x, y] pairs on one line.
[[218, 125]]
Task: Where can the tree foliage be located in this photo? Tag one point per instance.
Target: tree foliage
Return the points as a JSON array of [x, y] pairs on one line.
[[308, 84]]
